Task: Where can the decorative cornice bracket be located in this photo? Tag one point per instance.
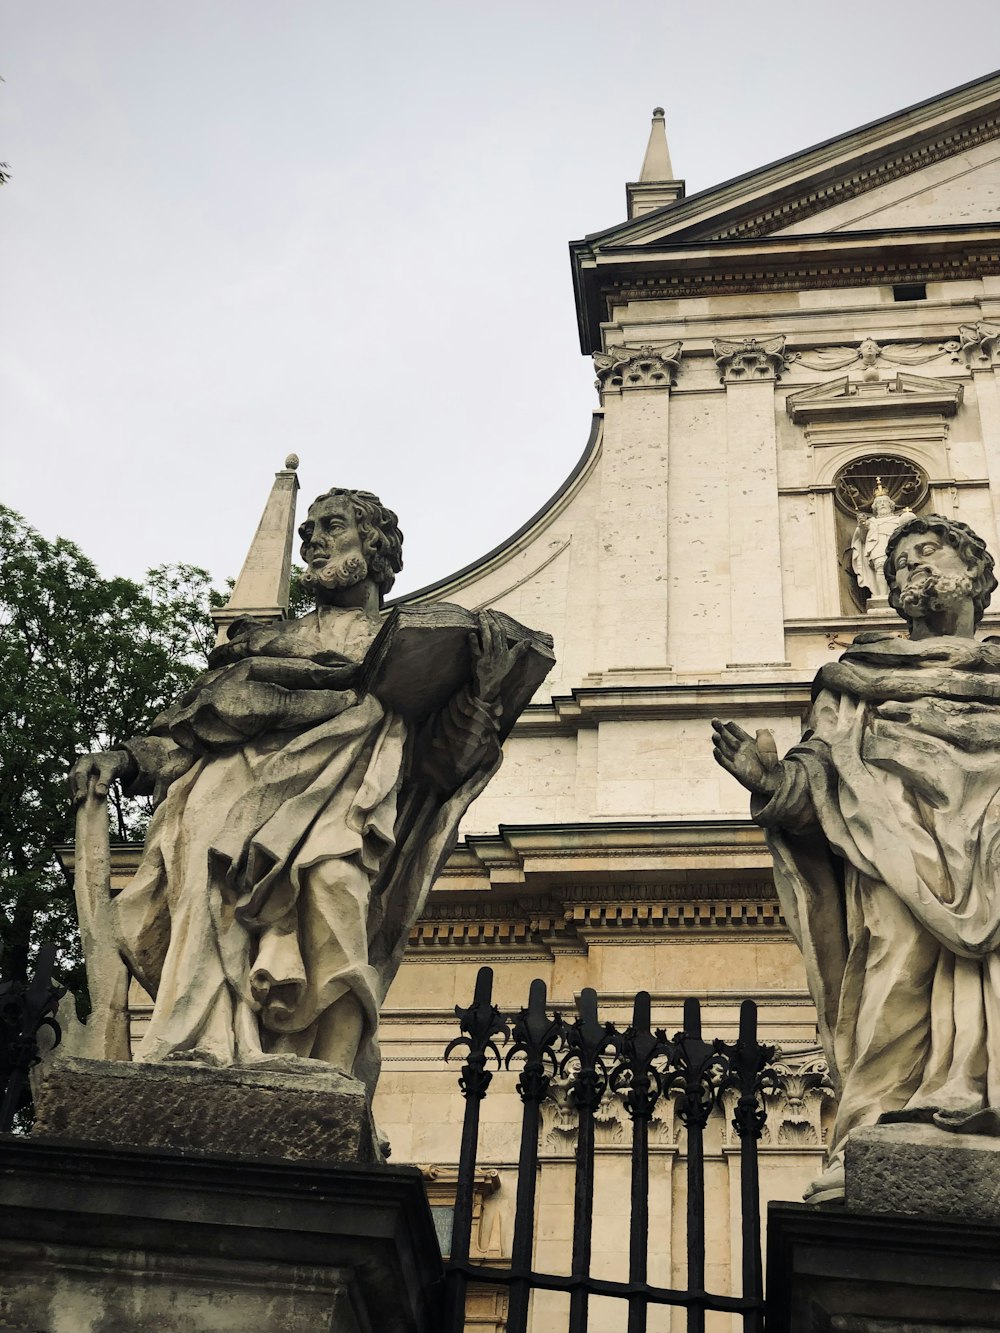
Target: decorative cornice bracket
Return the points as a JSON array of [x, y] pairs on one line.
[[645, 367], [980, 344], [750, 359]]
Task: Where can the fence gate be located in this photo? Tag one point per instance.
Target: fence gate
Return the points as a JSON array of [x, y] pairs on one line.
[[642, 1066]]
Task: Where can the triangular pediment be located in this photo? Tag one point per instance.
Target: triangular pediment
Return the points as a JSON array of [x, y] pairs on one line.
[[903, 394], [933, 164]]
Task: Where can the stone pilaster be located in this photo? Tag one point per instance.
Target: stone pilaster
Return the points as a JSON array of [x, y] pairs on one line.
[[748, 470], [632, 570], [980, 346]]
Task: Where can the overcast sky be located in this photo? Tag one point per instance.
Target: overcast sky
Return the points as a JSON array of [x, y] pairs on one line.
[[237, 228]]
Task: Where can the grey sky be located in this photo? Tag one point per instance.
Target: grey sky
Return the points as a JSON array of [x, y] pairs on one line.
[[237, 228]]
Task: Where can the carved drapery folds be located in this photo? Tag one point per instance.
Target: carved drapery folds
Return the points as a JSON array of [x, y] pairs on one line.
[[869, 354], [750, 359], [644, 367], [980, 343]]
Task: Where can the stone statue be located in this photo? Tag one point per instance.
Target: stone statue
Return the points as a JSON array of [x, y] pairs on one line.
[[870, 539], [884, 825], [300, 819]]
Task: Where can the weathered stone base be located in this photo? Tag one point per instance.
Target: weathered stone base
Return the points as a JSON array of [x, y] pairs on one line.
[[315, 1114], [920, 1170], [103, 1240], [831, 1268]]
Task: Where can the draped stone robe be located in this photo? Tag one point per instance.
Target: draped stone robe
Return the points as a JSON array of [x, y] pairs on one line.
[[269, 770], [885, 832]]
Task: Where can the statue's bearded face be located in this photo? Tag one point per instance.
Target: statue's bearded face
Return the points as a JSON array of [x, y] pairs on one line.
[[930, 575], [331, 545]]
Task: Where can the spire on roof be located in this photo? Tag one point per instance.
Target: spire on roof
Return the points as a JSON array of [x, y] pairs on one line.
[[656, 164], [261, 591], [656, 186]]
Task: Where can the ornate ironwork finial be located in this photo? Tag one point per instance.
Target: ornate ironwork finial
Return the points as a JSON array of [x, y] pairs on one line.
[[636, 1079], [697, 1069], [748, 1071], [589, 1042], [26, 1007], [481, 1022], [537, 1037]]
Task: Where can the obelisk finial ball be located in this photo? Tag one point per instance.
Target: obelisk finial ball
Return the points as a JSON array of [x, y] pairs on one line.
[[292, 462], [657, 110]]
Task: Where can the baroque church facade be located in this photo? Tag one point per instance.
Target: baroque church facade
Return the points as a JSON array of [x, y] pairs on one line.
[[772, 356]]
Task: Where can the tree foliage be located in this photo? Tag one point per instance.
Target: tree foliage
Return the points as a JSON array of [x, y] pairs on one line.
[[86, 663]]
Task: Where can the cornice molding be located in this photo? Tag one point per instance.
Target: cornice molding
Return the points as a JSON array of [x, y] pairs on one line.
[[905, 394]]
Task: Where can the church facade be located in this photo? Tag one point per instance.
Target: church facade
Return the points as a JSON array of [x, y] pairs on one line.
[[780, 362]]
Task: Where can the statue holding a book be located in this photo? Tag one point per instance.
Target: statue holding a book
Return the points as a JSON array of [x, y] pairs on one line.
[[308, 788]]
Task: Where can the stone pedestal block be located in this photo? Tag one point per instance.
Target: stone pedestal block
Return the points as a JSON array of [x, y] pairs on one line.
[[318, 1114], [119, 1240], [920, 1170], [831, 1268]]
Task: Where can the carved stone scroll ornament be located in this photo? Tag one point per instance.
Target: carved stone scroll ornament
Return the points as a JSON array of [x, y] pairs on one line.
[[644, 367], [750, 359], [980, 343]]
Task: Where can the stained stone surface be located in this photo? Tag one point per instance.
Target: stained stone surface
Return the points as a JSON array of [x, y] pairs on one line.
[[919, 1170], [126, 1240], [321, 1115]]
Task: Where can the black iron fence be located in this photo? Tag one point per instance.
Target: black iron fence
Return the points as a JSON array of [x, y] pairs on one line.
[[27, 1005], [642, 1066]]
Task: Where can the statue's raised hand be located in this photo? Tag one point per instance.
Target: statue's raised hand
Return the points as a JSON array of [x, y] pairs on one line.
[[92, 774], [752, 762], [492, 658]]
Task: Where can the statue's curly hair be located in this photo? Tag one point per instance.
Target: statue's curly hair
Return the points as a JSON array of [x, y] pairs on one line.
[[378, 528], [971, 550]]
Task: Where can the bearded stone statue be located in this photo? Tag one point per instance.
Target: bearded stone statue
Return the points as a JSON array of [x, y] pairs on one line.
[[884, 825], [300, 817]]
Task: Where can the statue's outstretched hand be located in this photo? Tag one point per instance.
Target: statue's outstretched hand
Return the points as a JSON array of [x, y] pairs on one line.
[[752, 762], [92, 774], [492, 658]]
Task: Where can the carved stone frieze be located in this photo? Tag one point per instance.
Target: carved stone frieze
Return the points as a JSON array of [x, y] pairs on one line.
[[750, 359], [980, 343], [869, 354], [644, 367]]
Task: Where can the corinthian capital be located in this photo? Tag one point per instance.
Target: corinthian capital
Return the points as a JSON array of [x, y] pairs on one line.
[[750, 359], [979, 343], [645, 367]]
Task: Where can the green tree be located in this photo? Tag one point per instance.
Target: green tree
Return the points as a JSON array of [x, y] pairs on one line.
[[85, 663]]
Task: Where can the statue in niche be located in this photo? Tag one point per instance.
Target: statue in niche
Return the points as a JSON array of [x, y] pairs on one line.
[[884, 825], [871, 538], [308, 788]]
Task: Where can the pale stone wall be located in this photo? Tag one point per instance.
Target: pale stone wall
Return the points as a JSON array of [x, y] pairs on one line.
[[689, 571]]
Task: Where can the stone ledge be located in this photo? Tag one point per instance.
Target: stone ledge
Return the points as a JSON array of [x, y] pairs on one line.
[[921, 1171], [114, 1240], [317, 1114]]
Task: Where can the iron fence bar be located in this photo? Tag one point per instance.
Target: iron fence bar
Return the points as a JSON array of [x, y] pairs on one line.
[[481, 1022], [536, 1037], [588, 1041], [697, 1066], [637, 1081], [749, 1072], [595, 1286]]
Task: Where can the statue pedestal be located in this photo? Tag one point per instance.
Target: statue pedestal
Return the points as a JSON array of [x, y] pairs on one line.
[[301, 1111], [916, 1248], [110, 1240]]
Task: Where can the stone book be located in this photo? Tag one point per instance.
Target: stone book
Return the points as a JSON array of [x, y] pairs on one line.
[[421, 657]]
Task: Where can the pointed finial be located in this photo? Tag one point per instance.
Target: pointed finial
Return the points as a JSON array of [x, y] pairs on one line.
[[656, 164]]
